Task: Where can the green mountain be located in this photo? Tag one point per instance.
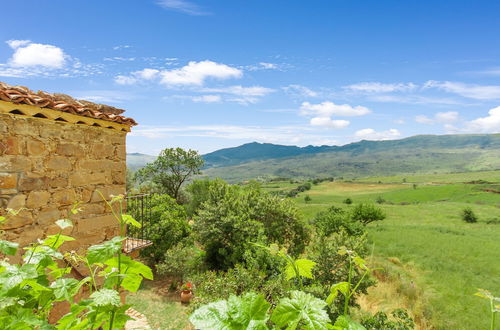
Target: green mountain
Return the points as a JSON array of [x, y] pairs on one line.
[[417, 154], [137, 160]]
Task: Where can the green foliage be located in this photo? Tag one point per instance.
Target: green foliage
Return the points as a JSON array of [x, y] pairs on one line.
[[400, 321], [198, 193], [380, 200], [346, 323], [334, 220], [246, 312], [301, 311], [367, 213], [348, 201], [181, 260], [171, 169], [468, 215], [234, 217], [307, 199], [167, 226], [29, 289]]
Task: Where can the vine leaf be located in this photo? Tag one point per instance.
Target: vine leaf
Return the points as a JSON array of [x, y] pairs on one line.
[[303, 266]]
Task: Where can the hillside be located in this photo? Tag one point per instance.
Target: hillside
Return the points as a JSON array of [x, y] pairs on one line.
[[138, 160], [418, 154]]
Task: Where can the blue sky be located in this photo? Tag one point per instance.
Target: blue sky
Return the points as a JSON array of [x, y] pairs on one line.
[[212, 74]]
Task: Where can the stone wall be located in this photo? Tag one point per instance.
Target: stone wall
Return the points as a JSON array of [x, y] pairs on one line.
[[46, 166]]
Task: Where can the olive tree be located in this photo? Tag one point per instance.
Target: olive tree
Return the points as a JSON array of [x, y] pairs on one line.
[[171, 169]]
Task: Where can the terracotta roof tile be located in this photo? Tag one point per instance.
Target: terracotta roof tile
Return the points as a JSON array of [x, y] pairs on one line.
[[62, 102]]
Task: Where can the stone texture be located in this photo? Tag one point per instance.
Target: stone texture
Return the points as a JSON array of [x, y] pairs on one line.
[[37, 199], [8, 180], [59, 164], [64, 197], [35, 147], [17, 202]]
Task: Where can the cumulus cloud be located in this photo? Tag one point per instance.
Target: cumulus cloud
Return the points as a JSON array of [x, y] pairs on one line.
[[183, 6], [195, 73], [378, 87], [371, 134], [28, 54], [328, 122], [488, 124], [440, 117], [478, 92], [322, 113], [327, 109]]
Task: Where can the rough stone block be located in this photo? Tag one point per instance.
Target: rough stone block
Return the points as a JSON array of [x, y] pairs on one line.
[[58, 182], [11, 145], [15, 163], [48, 216], [35, 147], [107, 192], [37, 199], [17, 202], [22, 219], [8, 180], [29, 182], [59, 164], [64, 197], [69, 149], [96, 224]]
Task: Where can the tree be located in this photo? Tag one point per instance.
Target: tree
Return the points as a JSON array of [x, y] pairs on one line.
[[171, 169], [366, 213], [468, 215]]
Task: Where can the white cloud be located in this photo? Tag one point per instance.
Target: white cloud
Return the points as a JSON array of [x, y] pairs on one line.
[[137, 76], [488, 124], [121, 47], [328, 122], [377, 87], [262, 66], [440, 117], [207, 98], [371, 134], [328, 109], [147, 74], [183, 6], [28, 54], [299, 91], [125, 80], [195, 73], [478, 92], [240, 90]]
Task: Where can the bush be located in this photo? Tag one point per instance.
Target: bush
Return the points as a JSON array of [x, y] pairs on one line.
[[307, 199], [468, 215], [166, 228], [334, 220], [380, 200], [400, 321], [180, 261], [348, 201], [332, 267], [197, 194], [234, 217], [366, 213]]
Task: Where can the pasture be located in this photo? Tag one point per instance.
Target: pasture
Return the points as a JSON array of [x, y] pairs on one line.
[[434, 261]]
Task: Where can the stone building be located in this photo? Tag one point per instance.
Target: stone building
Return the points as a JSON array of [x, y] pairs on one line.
[[54, 151]]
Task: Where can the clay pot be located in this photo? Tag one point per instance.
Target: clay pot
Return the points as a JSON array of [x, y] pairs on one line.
[[186, 296]]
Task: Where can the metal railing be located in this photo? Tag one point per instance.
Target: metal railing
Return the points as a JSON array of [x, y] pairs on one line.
[[140, 208]]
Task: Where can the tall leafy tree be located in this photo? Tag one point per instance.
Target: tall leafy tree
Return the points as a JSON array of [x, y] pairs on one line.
[[171, 169]]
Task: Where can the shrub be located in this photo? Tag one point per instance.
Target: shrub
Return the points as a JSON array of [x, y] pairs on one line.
[[181, 261], [400, 321], [234, 217], [307, 199], [334, 220], [468, 215], [366, 213], [167, 227], [380, 200], [332, 267], [348, 201], [198, 194]]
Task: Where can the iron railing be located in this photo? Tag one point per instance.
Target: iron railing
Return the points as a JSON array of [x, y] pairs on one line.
[[140, 208]]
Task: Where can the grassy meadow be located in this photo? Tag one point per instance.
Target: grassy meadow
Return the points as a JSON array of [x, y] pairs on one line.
[[433, 261]]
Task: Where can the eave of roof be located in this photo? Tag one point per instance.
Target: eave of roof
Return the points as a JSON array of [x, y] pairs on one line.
[[64, 103]]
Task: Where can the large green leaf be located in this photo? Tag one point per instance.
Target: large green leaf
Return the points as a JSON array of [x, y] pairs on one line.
[[301, 309], [104, 251], [14, 275], [130, 266], [342, 287], [303, 266], [55, 241], [129, 220], [64, 288], [8, 248], [346, 323], [237, 313], [41, 255], [106, 297]]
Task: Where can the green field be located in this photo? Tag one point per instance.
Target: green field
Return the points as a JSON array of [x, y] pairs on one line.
[[423, 229]]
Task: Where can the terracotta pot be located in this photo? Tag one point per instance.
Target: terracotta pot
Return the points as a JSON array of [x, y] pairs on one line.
[[186, 296]]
